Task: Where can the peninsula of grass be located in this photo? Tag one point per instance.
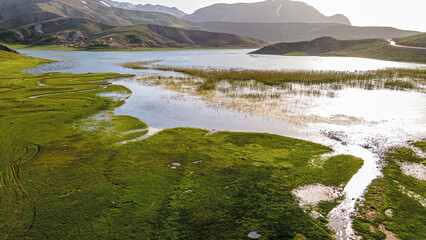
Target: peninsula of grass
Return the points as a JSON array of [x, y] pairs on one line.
[[396, 201], [65, 172], [281, 78]]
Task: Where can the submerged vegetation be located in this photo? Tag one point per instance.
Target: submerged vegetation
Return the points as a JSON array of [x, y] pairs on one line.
[[67, 171], [139, 65], [395, 203]]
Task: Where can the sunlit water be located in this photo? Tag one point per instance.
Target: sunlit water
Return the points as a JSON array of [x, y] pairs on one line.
[[367, 122]]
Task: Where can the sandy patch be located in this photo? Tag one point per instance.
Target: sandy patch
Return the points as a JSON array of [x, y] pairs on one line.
[[389, 235], [416, 170], [311, 195], [151, 132], [419, 152]]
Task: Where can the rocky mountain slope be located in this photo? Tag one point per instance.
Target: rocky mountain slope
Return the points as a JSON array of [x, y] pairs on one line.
[[16, 13], [270, 11], [78, 32]]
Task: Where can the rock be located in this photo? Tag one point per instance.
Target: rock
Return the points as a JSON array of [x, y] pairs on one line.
[[6, 49], [389, 213], [254, 235]]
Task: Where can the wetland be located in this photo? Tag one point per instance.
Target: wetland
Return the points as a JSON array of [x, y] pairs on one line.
[[211, 144]]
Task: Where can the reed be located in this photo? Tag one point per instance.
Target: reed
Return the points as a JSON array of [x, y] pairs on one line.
[[281, 78]]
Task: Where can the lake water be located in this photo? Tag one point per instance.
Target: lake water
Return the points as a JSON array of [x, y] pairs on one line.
[[366, 122]]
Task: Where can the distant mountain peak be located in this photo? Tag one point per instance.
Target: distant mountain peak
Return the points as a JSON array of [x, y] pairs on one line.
[[148, 8], [269, 11]]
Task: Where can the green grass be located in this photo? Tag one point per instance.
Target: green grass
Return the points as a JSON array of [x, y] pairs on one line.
[[415, 41], [408, 220], [363, 48], [64, 47], [282, 78], [65, 175]]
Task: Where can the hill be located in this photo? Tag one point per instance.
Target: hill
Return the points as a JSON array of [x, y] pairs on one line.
[[290, 32], [415, 41], [271, 11], [328, 46], [86, 32], [16, 13]]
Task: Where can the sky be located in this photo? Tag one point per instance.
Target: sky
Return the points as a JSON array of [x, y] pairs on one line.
[[407, 14]]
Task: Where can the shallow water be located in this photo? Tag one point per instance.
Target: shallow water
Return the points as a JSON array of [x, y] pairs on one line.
[[360, 122], [83, 62]]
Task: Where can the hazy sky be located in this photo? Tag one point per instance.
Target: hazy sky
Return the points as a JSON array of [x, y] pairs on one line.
[[406, 14]]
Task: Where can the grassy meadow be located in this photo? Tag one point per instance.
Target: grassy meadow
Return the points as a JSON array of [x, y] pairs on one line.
[[66, 173]]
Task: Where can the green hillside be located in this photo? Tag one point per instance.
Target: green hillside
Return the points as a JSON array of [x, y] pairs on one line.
[[327, 46], [415, 41]]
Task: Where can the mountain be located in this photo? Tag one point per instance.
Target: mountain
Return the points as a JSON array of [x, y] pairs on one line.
[[148, 8], [289, 32], [86, 32], [328, 46], [16, 13], [270, 11]]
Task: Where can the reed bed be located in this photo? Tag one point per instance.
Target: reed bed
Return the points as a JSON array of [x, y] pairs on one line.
[[282, 78]]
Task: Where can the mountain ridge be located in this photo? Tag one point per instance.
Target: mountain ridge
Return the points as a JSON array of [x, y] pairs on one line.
[[84, 32], [17, 13]]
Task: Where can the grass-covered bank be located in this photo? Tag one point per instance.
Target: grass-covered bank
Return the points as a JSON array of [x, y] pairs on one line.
[[395, 203], [66, 47], [65, 173]]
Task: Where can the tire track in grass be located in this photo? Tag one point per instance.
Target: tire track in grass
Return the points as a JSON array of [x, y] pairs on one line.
[[11, 180]]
